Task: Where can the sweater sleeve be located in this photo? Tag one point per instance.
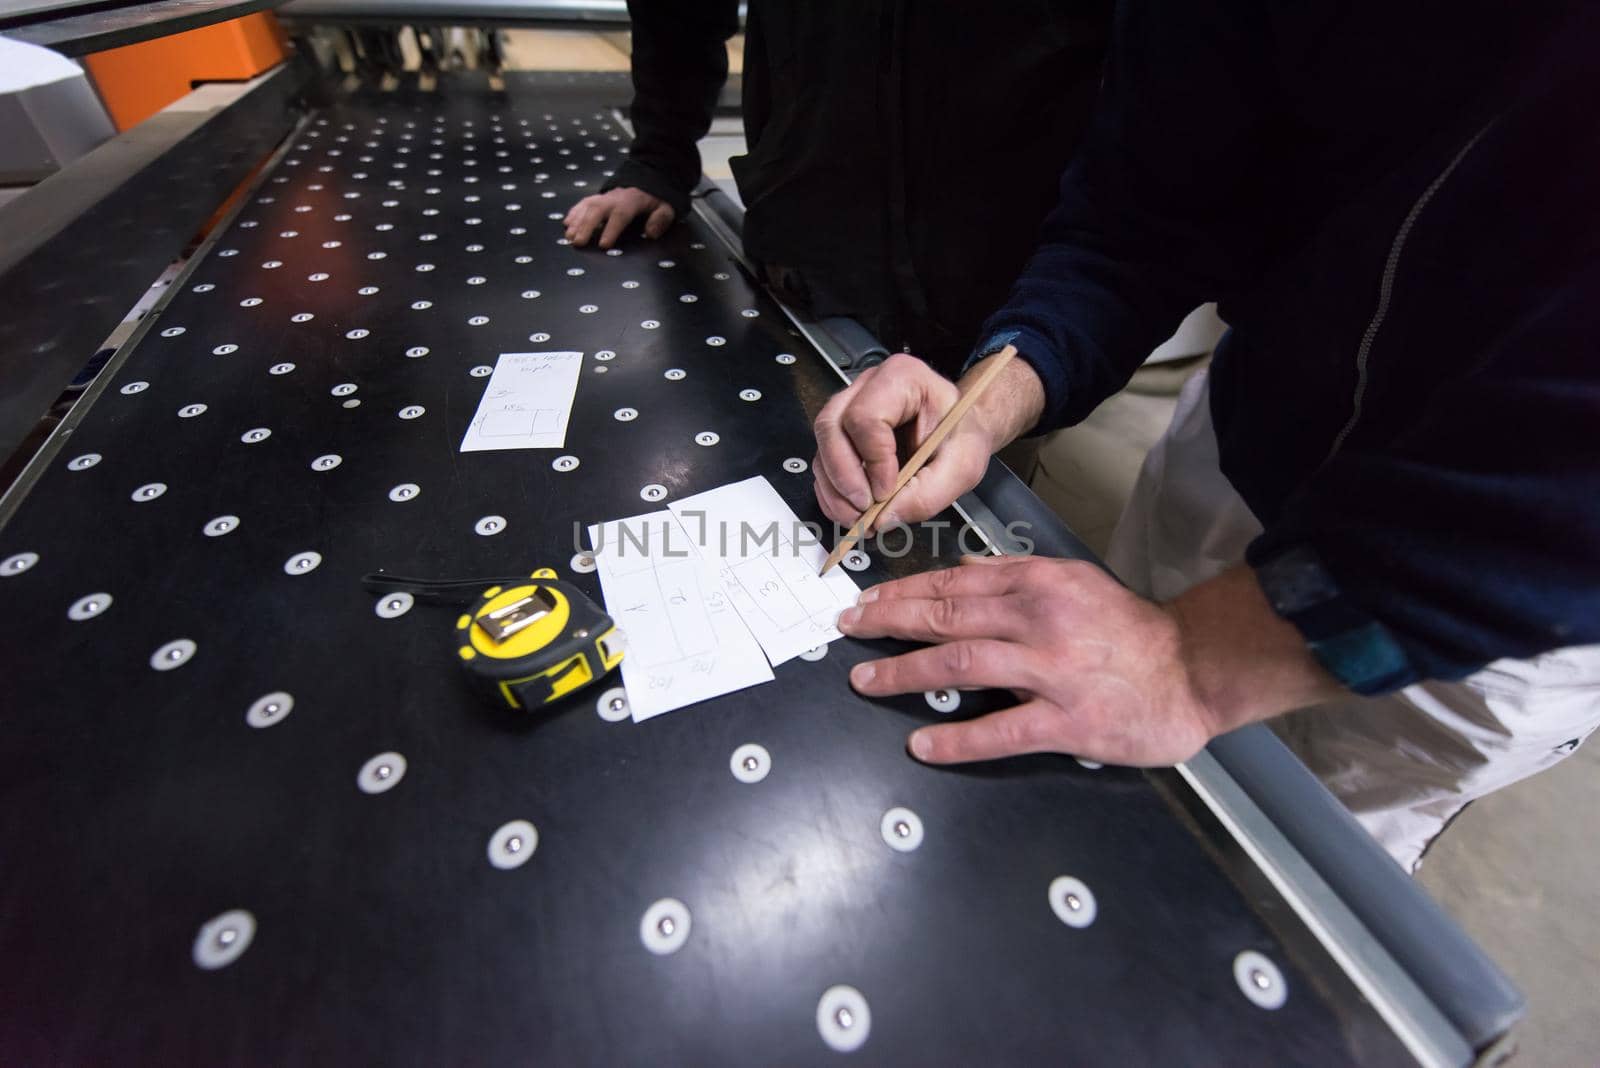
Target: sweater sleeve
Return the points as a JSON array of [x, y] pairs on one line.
[[1157, 211], [1469, 538], [679, 66]]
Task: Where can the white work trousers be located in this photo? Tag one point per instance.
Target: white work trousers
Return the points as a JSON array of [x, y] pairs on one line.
[[1405, 763]]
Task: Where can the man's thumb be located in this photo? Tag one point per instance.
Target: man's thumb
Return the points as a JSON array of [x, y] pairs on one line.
[[659, 220]]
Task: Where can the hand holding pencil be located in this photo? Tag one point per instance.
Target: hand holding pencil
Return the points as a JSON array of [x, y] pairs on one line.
[[858, 468]]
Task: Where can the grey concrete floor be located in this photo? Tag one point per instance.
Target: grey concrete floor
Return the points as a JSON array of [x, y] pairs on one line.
[[1519, 870]]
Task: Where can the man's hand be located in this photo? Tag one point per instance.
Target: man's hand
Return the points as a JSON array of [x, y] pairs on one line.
[[611, 213], [857, 460], [1100, 672]]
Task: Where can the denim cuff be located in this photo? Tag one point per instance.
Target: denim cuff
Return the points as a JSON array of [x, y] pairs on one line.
[[1356, 649]]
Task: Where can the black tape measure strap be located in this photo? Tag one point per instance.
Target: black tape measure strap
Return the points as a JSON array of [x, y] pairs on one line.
[[436, 591]]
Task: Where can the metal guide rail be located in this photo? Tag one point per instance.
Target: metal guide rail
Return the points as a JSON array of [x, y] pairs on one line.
[[248, 814]]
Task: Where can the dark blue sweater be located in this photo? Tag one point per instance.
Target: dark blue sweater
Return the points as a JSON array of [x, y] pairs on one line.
[[1398, 207]]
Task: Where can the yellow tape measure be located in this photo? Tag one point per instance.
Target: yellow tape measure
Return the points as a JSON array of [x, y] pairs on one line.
[[534, 643], [526, 642]]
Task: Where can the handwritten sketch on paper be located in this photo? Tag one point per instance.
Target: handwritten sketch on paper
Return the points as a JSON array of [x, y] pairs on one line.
[[526, 402], [768, 562], [685, 642]]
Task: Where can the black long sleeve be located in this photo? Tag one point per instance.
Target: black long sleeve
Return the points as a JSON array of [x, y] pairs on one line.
[[1159, 212], [679, 65], [1408, 394]]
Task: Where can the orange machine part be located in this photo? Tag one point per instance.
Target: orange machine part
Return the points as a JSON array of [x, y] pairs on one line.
[[139, 80]]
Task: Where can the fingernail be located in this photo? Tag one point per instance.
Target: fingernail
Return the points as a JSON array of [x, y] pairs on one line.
[[848, 617], [861, 675], [921, 745], [867, 596]]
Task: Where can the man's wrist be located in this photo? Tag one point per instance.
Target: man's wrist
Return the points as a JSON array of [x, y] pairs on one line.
[[637, 174], [1240, 661], [1198, 694], [1011, 405]]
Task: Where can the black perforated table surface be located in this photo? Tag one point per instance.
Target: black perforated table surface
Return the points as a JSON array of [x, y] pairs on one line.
[[204, 859]]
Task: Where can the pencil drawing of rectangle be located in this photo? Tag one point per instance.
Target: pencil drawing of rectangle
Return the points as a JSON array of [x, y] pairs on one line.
[[769, 591], [768, 563], [683, 641], [507, 424], [526, 402]]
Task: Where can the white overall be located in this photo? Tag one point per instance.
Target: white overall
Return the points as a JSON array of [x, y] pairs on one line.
[[1404, 763]]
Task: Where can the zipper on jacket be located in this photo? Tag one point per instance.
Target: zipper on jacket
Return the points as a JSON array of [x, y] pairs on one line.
[[1391, 267]]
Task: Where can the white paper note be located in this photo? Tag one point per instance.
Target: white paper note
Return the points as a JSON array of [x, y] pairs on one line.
[[526, 402], [683, 641], [768, 563]]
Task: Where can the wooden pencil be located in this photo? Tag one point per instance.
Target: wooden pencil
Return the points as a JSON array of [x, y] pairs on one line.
[[924, 452]]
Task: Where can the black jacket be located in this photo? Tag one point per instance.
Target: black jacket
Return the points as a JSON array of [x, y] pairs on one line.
[[902, 153], [1396, 209]]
